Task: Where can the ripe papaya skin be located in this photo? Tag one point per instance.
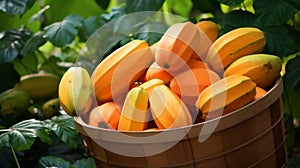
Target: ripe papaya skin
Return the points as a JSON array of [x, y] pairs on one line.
[[233, 45], [155, 71], [177, 45], [227, 95], [263, 69], [209, 32], [260, 92], [167, 109], [118, 71], [106, 115]]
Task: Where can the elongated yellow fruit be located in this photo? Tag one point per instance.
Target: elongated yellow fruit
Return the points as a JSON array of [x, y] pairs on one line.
[[263, 69], [234, 44], [41, 85], [227, 94], [75, 91], [150, 84], [135, 113], [120, 69], [167, 109]]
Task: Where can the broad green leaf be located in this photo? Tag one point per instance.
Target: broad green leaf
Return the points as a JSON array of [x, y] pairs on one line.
[[13, 7], [143, 5], [26, 65], [278, 41], [103, 3], [8, 76], [84, 163], [231, 3], [235, 19], [152, 32], [64, 32], [39, 14], [292, 71], [21, 136], [52, 161], [12, 42], [274, 12], [89, 26], [33, 43], [64, 127]]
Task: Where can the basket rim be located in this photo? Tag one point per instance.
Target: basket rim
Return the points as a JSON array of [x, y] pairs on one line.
[[225, 121]]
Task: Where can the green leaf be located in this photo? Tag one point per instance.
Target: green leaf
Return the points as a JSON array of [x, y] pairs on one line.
[[89, 26], [52, 161], [152, 31], [8, 76], [274, 12], [21, 136], [51, 65], [278, 41], [235, 19], [232, 3], [12, 42], [13, 7], [291, 76], [83, 163], [64, 127], [103, 3], [33, 43], [39, 14], [26, 65], [64, 32], [143, 5], [182, 8]]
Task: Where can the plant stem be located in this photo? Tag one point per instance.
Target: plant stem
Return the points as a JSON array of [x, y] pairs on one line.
[[16, 159]]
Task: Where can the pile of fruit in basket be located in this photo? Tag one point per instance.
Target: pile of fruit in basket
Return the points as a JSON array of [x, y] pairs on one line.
[[187, 77]]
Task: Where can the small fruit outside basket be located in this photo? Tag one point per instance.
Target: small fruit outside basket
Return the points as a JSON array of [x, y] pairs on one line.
[[252, 136]]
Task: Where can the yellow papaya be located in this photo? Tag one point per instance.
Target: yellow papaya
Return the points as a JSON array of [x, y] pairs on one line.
[[263, 69], [118, 71], [167, 109], [234, 44], [226, 95]]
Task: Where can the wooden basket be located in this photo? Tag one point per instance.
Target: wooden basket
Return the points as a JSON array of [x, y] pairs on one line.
[[253, 136]]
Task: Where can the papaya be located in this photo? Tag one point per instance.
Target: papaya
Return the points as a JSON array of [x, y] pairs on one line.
[[233, 45], [106, 115], [226, 95], [135, 114], [167, 109], [177, 45], [263, 69], [194, 63], [50, 108], [149, 85], [118, 71], [155, 71], [75, 92], [190, 83], [260, 92], [209, 32], [14, 102]]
